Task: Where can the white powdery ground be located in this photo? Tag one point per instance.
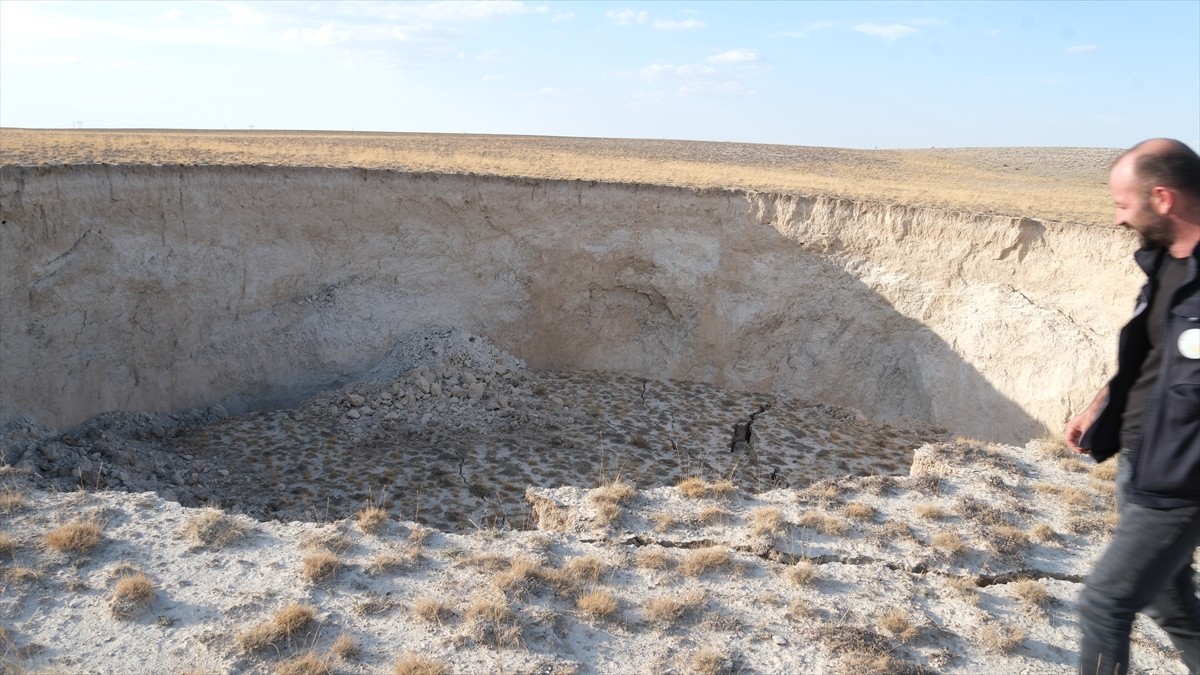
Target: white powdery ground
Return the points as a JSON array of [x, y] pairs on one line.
[[916, 573]]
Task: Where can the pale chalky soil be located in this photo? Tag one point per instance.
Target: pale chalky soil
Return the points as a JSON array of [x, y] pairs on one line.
[[449, 431]]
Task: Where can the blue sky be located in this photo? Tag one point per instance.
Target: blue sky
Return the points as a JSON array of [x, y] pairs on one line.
[[848, 74]]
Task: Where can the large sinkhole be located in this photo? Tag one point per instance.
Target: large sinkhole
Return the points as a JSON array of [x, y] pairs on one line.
[[298, 343]]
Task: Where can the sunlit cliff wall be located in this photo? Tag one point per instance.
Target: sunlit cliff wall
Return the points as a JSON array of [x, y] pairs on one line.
[[168, 287]]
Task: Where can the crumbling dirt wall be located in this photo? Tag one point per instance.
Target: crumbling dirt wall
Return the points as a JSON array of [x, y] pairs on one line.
[[169, 287]]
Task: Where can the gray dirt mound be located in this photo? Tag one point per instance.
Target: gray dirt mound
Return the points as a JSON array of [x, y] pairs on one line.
[[448, 430]]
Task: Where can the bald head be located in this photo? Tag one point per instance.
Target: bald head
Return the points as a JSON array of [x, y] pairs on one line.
[[1161, 162]]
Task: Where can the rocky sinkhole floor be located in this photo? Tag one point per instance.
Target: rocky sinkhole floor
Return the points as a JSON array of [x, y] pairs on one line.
[[449, 431]]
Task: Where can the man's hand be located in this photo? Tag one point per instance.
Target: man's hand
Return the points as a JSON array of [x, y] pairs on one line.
[[1079, 424], [1075, 429]]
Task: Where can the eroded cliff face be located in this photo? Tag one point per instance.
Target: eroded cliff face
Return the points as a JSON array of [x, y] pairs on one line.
[[166, 287]]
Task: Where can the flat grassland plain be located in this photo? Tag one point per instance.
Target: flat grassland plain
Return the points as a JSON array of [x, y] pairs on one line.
[[967, 563], [1064, 184]]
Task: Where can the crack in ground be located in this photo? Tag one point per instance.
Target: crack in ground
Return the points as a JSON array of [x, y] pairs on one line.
[[743, 432], [775, 555]]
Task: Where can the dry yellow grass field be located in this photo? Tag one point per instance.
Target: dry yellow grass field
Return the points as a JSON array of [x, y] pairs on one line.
[[1066, 184]]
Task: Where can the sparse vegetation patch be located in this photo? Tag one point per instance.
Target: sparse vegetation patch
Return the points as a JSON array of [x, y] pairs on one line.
[[77, 536]]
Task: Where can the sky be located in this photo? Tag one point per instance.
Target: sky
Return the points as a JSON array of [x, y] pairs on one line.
[[838, 74]]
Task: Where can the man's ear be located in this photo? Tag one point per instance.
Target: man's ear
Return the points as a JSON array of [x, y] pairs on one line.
[[1162, 200]]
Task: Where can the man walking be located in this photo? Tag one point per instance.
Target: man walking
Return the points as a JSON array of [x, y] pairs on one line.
[[1149, 415]]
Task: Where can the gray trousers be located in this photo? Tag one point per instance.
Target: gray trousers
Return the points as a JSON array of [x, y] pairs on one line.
[[1147, 567]]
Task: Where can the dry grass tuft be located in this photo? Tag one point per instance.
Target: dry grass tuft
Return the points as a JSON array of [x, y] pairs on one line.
[[1031, 592], [894, 530], [133, 593], [488, 608], [308, 663], [320, 566], [412, 663], [653, 559], [858, 511], [332, 542], [345, 648], [722, 488], [598, 603], [431, 610], [801, 608], [1045, 534], [671, 608], [712, 514], [488, 561], [77, 536], [948, 543], [11, 499], [823, 523], [375, 605], [214, 529], [963, 587], [21, 575], [663, 521], [419, 534], [1072, 465], [586, 568], [608, 499], [898, 625], [708, 661], [1008, 539], [372, 519], [766, 520], [929, 511], [8, 545], [1000, 637], [704, 560], [693, 487], [287, 622], [615, 492], [1074, 497], [389, 561], [1105, 471], [1055, 448], [520, 573], [857, 649], [802, 573]]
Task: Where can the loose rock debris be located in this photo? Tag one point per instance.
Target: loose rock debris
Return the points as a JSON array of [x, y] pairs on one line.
[[449, 431]]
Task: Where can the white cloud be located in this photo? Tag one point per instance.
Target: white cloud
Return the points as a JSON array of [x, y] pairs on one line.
[[243, 17], [491, 77], [813, 27], [724, 88], [695, 70], [337, 34], [891, 31], [1082, 49], [689, 24], [735, 56], [443, 11], [655, 71], [625, 17]]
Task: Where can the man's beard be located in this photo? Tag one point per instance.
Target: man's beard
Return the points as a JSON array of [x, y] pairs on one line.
[[1155, 231]]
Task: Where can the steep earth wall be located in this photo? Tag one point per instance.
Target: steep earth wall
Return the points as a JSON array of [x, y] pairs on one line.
[[169, 287]]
